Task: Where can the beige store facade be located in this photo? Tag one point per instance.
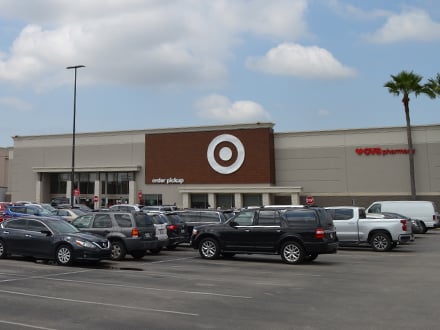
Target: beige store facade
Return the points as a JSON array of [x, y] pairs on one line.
[[226, 166]]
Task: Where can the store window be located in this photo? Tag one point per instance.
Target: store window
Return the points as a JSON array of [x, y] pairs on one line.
[[58, 183], [199, 201], [225, 201], [152, 199], [252, 200]]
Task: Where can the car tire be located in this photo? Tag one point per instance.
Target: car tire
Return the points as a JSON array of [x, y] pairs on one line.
[[138, 254], [311, 257], [292, 252], [209, 248], [423, 228], [118, 250], [3, 251], [156, 251], [63, 255], [381, 242]]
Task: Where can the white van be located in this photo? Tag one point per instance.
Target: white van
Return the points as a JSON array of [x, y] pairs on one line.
[[422, 210]]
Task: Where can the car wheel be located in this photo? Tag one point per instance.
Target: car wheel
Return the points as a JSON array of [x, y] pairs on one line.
[[63, 255], [292, 253], [311, 257], [423, 228], [381, 242], [209, 248], [3, 251], [228, 254], [156, 251], [118, 251], [138, 254]]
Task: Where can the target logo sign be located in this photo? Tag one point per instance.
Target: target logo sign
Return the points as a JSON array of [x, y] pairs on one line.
[[225, 154]]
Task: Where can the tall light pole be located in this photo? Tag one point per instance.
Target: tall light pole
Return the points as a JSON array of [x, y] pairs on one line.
[[72, 175]]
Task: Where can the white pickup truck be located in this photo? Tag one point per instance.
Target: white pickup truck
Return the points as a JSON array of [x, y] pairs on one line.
[[354, 228]]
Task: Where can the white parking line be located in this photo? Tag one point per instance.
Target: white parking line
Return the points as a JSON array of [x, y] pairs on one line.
[[98, 303], [169, 260], [25, 325], [42, 276], [151, 289]]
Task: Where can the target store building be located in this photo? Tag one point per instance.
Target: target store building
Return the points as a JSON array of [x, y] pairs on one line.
[[226, 166]]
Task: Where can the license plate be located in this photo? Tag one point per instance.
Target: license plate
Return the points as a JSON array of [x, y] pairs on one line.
[[147, 235]]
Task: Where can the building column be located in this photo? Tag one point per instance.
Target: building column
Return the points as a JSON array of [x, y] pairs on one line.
[[211, 200], [185, 200], [294, 198], [238, 200], [69, 190], [266, 199], [38, 188], [97, 204], [132, 195]]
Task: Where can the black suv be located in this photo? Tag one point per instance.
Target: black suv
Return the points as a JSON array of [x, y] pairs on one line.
[[128, 232], [296, 234], [197, 217]]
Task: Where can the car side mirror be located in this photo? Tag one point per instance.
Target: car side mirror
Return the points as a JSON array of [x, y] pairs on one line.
[[233, 224]]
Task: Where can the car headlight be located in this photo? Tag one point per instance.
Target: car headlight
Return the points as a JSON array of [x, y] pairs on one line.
[[195, 232], [85, 244]]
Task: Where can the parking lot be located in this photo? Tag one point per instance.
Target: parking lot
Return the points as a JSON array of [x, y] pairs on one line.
[[353, 289]]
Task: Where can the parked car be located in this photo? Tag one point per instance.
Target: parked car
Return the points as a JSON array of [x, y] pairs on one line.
[[425, 211], [46, 238], [69, 214], [296, 234], [27, 210], [196, 217], [82, 207], [161, 232], [59, 201], [160, 208], [128, 232], [175, 228], [125, 208], [416, 224]]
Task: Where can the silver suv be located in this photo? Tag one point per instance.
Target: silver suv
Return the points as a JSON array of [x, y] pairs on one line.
[[128, 232]]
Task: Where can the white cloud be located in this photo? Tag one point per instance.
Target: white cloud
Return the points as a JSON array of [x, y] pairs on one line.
[[300, 61], [220, 109], [410, 25], [15, 104], [138, 42]]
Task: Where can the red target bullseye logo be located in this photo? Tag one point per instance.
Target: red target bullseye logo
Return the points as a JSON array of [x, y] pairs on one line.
[[225, 154]]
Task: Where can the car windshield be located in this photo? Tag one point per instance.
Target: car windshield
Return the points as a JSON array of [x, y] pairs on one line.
[[62, 227], [45, 212], [78, 212]]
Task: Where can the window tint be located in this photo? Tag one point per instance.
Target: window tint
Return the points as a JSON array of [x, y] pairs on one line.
[[83, 221], [142, 220], [63, 213], [268, 218], [301, 217], [209, 217], [343, 214], [35, 225], [123, 220], [189, 216], [102, 221], [16, 224], [375, 208], [244, 219], [18, 209]]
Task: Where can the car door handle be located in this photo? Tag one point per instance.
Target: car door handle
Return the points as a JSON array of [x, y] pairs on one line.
[[247, 230], [6, 232], [28, 235]]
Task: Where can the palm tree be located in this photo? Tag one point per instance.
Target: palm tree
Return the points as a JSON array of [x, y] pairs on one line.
[[406, 83], [434, 84]]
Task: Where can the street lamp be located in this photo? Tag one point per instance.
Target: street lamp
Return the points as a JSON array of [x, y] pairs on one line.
[[72, 175]]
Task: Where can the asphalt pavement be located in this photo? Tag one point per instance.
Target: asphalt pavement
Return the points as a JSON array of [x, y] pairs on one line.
[[356, 288]]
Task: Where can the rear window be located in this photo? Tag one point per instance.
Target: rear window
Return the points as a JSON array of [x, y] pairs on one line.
[[142, 220], [342, 214], [301, 217], [209, 217]]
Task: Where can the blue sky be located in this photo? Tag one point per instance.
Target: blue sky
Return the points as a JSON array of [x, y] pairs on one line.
[[301, 64]]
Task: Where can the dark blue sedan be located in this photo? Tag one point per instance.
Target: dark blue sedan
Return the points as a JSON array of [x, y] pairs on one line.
[[50, 239]]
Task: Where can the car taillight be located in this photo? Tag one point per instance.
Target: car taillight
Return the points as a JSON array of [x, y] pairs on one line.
[[319, 233], [404, 227], [172, 227], [135, 232]]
